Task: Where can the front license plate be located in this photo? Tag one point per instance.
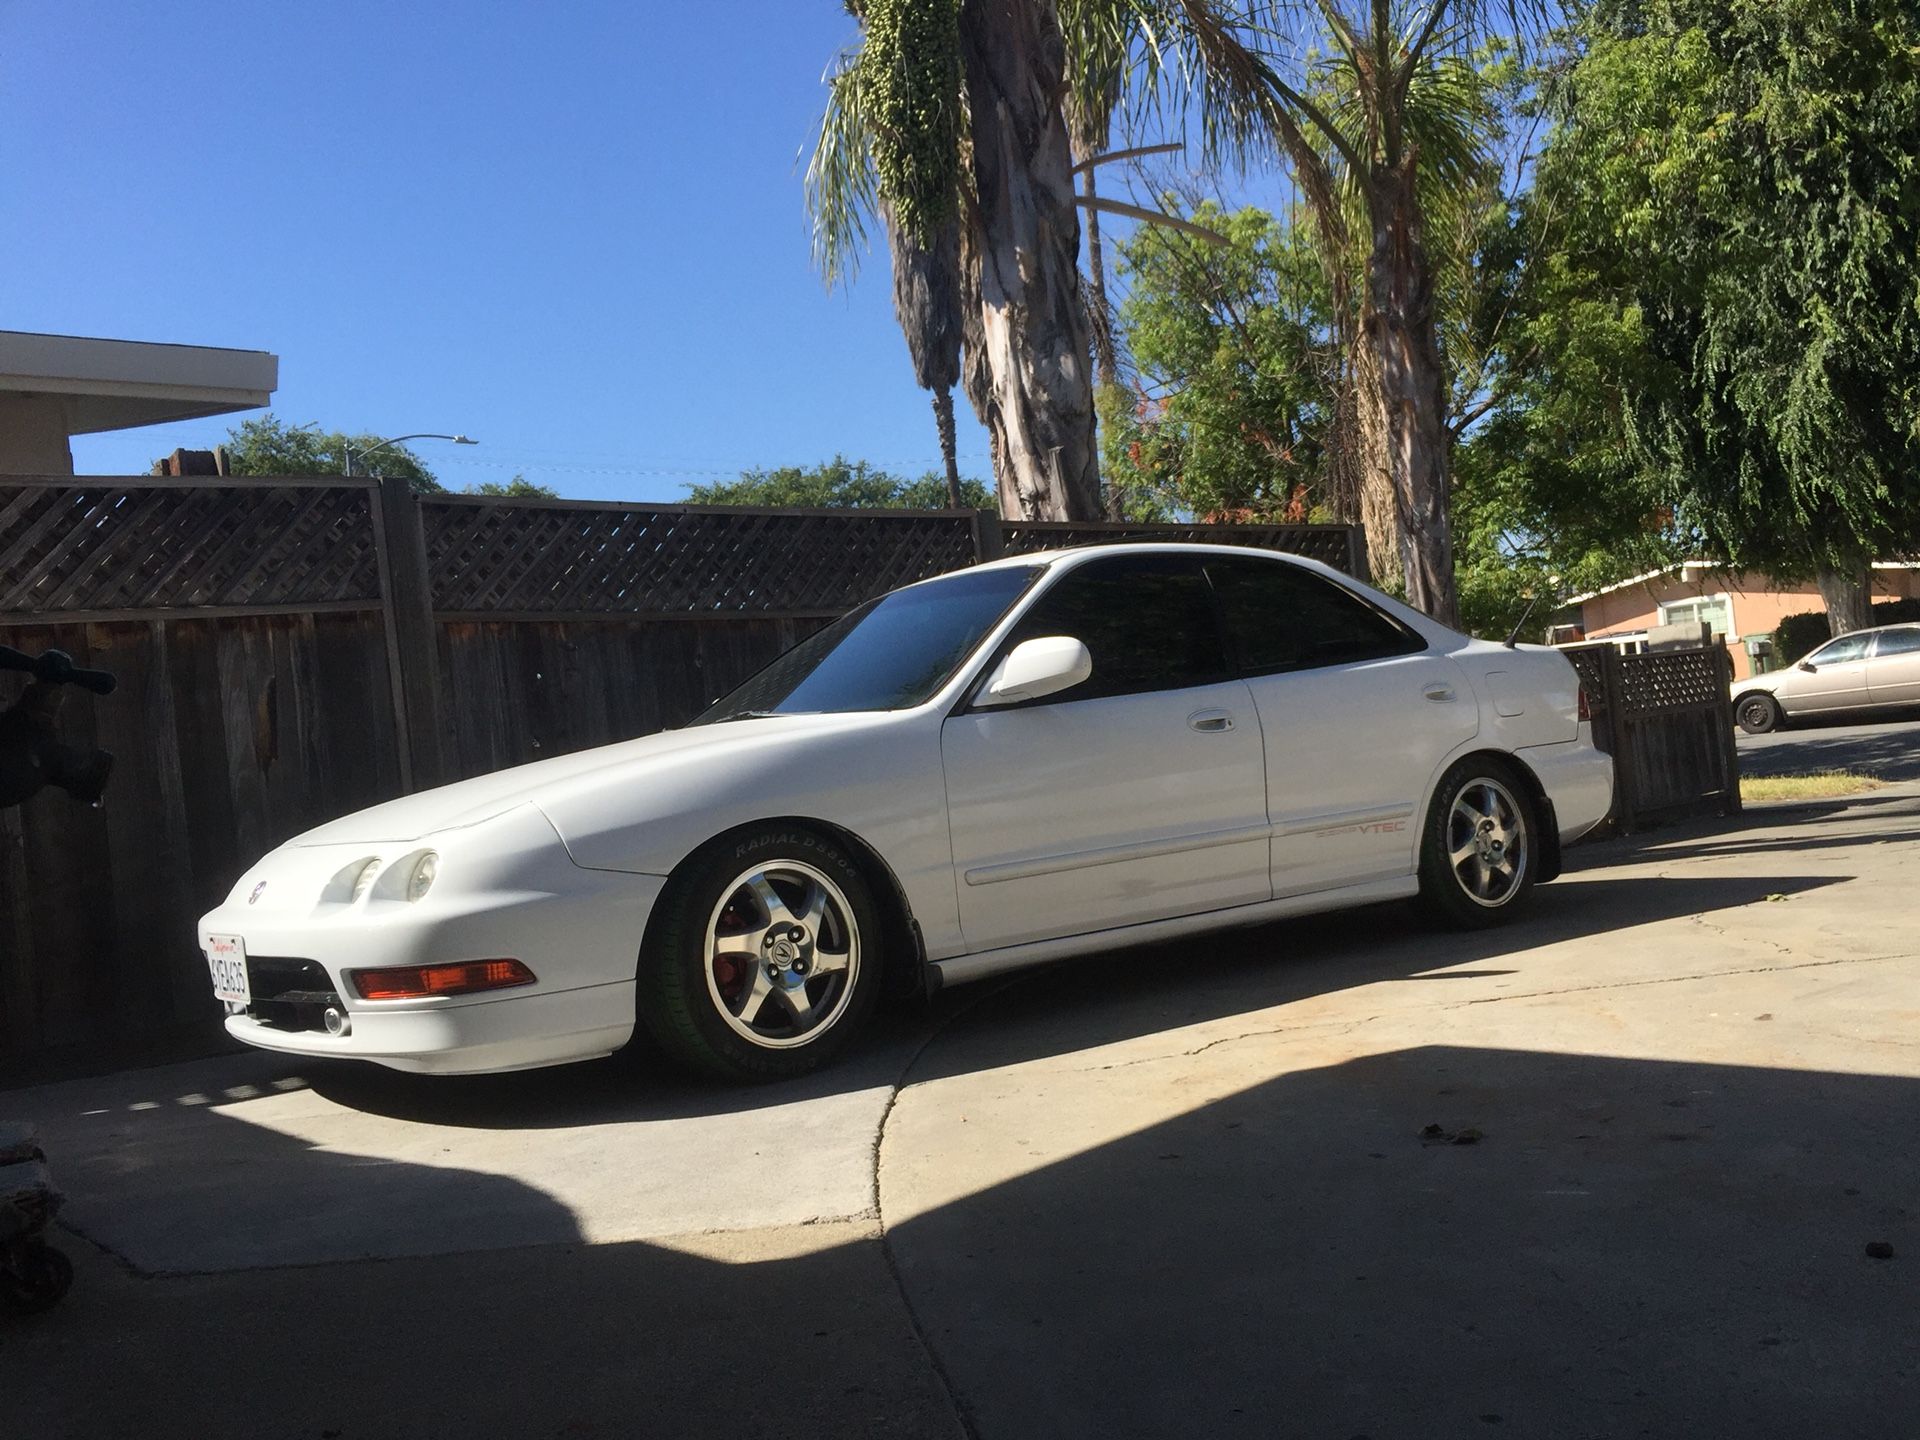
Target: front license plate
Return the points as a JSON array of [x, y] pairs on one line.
[[227, 959]]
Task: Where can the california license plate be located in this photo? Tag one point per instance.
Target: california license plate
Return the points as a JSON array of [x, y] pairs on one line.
[[227, 959]]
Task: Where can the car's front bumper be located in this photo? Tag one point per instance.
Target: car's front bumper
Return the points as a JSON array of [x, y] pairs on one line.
[[508, 893], [510, 1031]]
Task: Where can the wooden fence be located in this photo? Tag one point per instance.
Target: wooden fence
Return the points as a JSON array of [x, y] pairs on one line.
[[1666, 717], [292, 650]]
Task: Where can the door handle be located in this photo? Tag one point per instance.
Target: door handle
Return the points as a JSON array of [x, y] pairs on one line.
[[1210, 721], [1439, 694]]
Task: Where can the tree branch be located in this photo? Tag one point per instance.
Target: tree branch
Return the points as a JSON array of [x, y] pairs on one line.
[[1135, 153], [1151, 217]]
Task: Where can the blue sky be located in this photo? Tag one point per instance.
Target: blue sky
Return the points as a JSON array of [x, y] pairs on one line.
[[574, 231]]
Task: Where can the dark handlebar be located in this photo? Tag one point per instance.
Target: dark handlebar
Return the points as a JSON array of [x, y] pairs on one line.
[[56, 667]]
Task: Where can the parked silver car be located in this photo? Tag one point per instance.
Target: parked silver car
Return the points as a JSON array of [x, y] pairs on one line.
[[1860, 671]]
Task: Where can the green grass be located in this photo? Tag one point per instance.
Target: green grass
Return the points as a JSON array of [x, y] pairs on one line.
[[1819, 785]]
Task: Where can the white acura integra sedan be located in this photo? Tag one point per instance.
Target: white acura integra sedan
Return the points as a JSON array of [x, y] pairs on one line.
[[1040, 757]]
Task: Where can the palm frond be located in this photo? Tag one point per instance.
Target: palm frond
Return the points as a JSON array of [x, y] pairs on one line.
[[841, 182]]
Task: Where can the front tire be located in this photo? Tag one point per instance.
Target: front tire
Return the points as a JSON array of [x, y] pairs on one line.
[[1757, 713], [1480, 851], [763, 957]]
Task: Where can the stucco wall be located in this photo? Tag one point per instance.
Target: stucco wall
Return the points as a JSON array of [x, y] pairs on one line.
[[1758, 604], [33, 435]]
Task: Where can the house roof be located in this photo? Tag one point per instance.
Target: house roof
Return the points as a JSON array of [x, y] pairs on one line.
[[120, 384], [1706, 566]]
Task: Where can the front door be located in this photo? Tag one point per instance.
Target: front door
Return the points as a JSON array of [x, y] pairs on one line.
[[1834, 677], [1137, 795]]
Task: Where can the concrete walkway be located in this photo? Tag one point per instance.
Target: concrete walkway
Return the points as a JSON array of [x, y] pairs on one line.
[[1185, 1190]]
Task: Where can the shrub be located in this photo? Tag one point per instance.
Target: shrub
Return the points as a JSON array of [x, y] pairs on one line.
[[1798, 634]]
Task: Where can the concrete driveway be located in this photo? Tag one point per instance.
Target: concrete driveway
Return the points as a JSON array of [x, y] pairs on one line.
[[1611, 1171]]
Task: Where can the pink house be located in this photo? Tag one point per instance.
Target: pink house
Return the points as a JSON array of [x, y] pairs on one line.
[[1741, 606]]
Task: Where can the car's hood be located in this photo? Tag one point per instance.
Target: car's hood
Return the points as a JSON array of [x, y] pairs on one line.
[[469, 802]]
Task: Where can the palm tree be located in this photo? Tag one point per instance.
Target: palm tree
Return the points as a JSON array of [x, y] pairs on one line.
[[1026, 340], [1396, 134], [882, 148]]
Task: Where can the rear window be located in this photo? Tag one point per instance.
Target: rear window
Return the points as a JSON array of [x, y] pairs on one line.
[[1282, 617]]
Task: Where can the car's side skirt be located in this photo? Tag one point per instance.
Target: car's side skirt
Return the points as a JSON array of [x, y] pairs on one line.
[[962, 968]]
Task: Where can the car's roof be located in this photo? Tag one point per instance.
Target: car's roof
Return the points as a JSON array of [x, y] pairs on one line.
[[1078, 553], [1876, 629]]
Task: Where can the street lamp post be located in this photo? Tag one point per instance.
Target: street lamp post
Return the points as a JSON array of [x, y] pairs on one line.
[[348, 456]]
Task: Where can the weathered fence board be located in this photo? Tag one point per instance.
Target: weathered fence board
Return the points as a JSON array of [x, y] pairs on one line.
[[291, 650], [1666, 717]]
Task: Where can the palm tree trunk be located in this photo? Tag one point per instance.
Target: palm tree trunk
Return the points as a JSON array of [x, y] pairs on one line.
[[1373, 498], [1033, 324], [1397, 329], [943, 421], [1847, 592]]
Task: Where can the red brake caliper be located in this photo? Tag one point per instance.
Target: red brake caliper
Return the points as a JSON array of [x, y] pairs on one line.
[[729, 973]]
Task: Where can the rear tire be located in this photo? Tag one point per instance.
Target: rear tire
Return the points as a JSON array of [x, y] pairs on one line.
[[1757, 713], [1480, 851], [763, 957]]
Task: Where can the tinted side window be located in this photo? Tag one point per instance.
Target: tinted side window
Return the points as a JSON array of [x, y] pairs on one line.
[[1280, 617], [1147, 621], [1897, 642]]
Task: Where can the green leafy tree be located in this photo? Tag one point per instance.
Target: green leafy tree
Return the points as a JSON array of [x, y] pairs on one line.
[[1721, 347], [267, 445], [518, 488], [1236, 368], [839, 484]]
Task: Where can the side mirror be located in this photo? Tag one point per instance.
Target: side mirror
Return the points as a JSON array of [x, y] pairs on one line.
[[1034, 668], [1807, 665]]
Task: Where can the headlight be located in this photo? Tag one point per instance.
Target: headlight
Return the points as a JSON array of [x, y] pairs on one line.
[[363, 882], [421, 880]]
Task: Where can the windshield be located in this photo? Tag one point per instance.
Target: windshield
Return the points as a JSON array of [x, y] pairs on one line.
[[889, 654]]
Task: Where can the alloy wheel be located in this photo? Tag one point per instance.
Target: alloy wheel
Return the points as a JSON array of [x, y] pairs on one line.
[[1487, 842], [782, 954]]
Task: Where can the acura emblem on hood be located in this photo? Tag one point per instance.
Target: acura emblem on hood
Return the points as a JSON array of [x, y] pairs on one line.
[[256, 892]]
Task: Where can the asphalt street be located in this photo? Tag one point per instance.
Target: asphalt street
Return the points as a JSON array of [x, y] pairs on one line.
[[1610, 1171], [1889, 749]]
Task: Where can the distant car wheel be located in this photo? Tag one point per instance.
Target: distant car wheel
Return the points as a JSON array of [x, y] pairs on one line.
[[763, 958], [1480, 852], [1757, 713]]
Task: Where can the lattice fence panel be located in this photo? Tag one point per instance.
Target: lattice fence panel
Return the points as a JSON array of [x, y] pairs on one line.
[[80, 547], [564, 558], [1331, 544], [1670, 680]]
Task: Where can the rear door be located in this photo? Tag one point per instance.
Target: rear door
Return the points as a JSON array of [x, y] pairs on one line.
[[1834, 677], [1356, 712], [1893, 669], [1137, 795]]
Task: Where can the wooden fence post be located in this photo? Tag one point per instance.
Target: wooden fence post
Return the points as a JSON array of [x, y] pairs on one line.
[[989, 540], [1729, 750], [1357, 554], [413, 656], [1620, 737]]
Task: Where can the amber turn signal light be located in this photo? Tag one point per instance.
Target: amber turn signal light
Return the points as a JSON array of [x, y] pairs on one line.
[[414, 982]]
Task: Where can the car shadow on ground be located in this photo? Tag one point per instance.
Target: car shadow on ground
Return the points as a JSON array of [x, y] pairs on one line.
[[1074, 1005], [1628, 1247]]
